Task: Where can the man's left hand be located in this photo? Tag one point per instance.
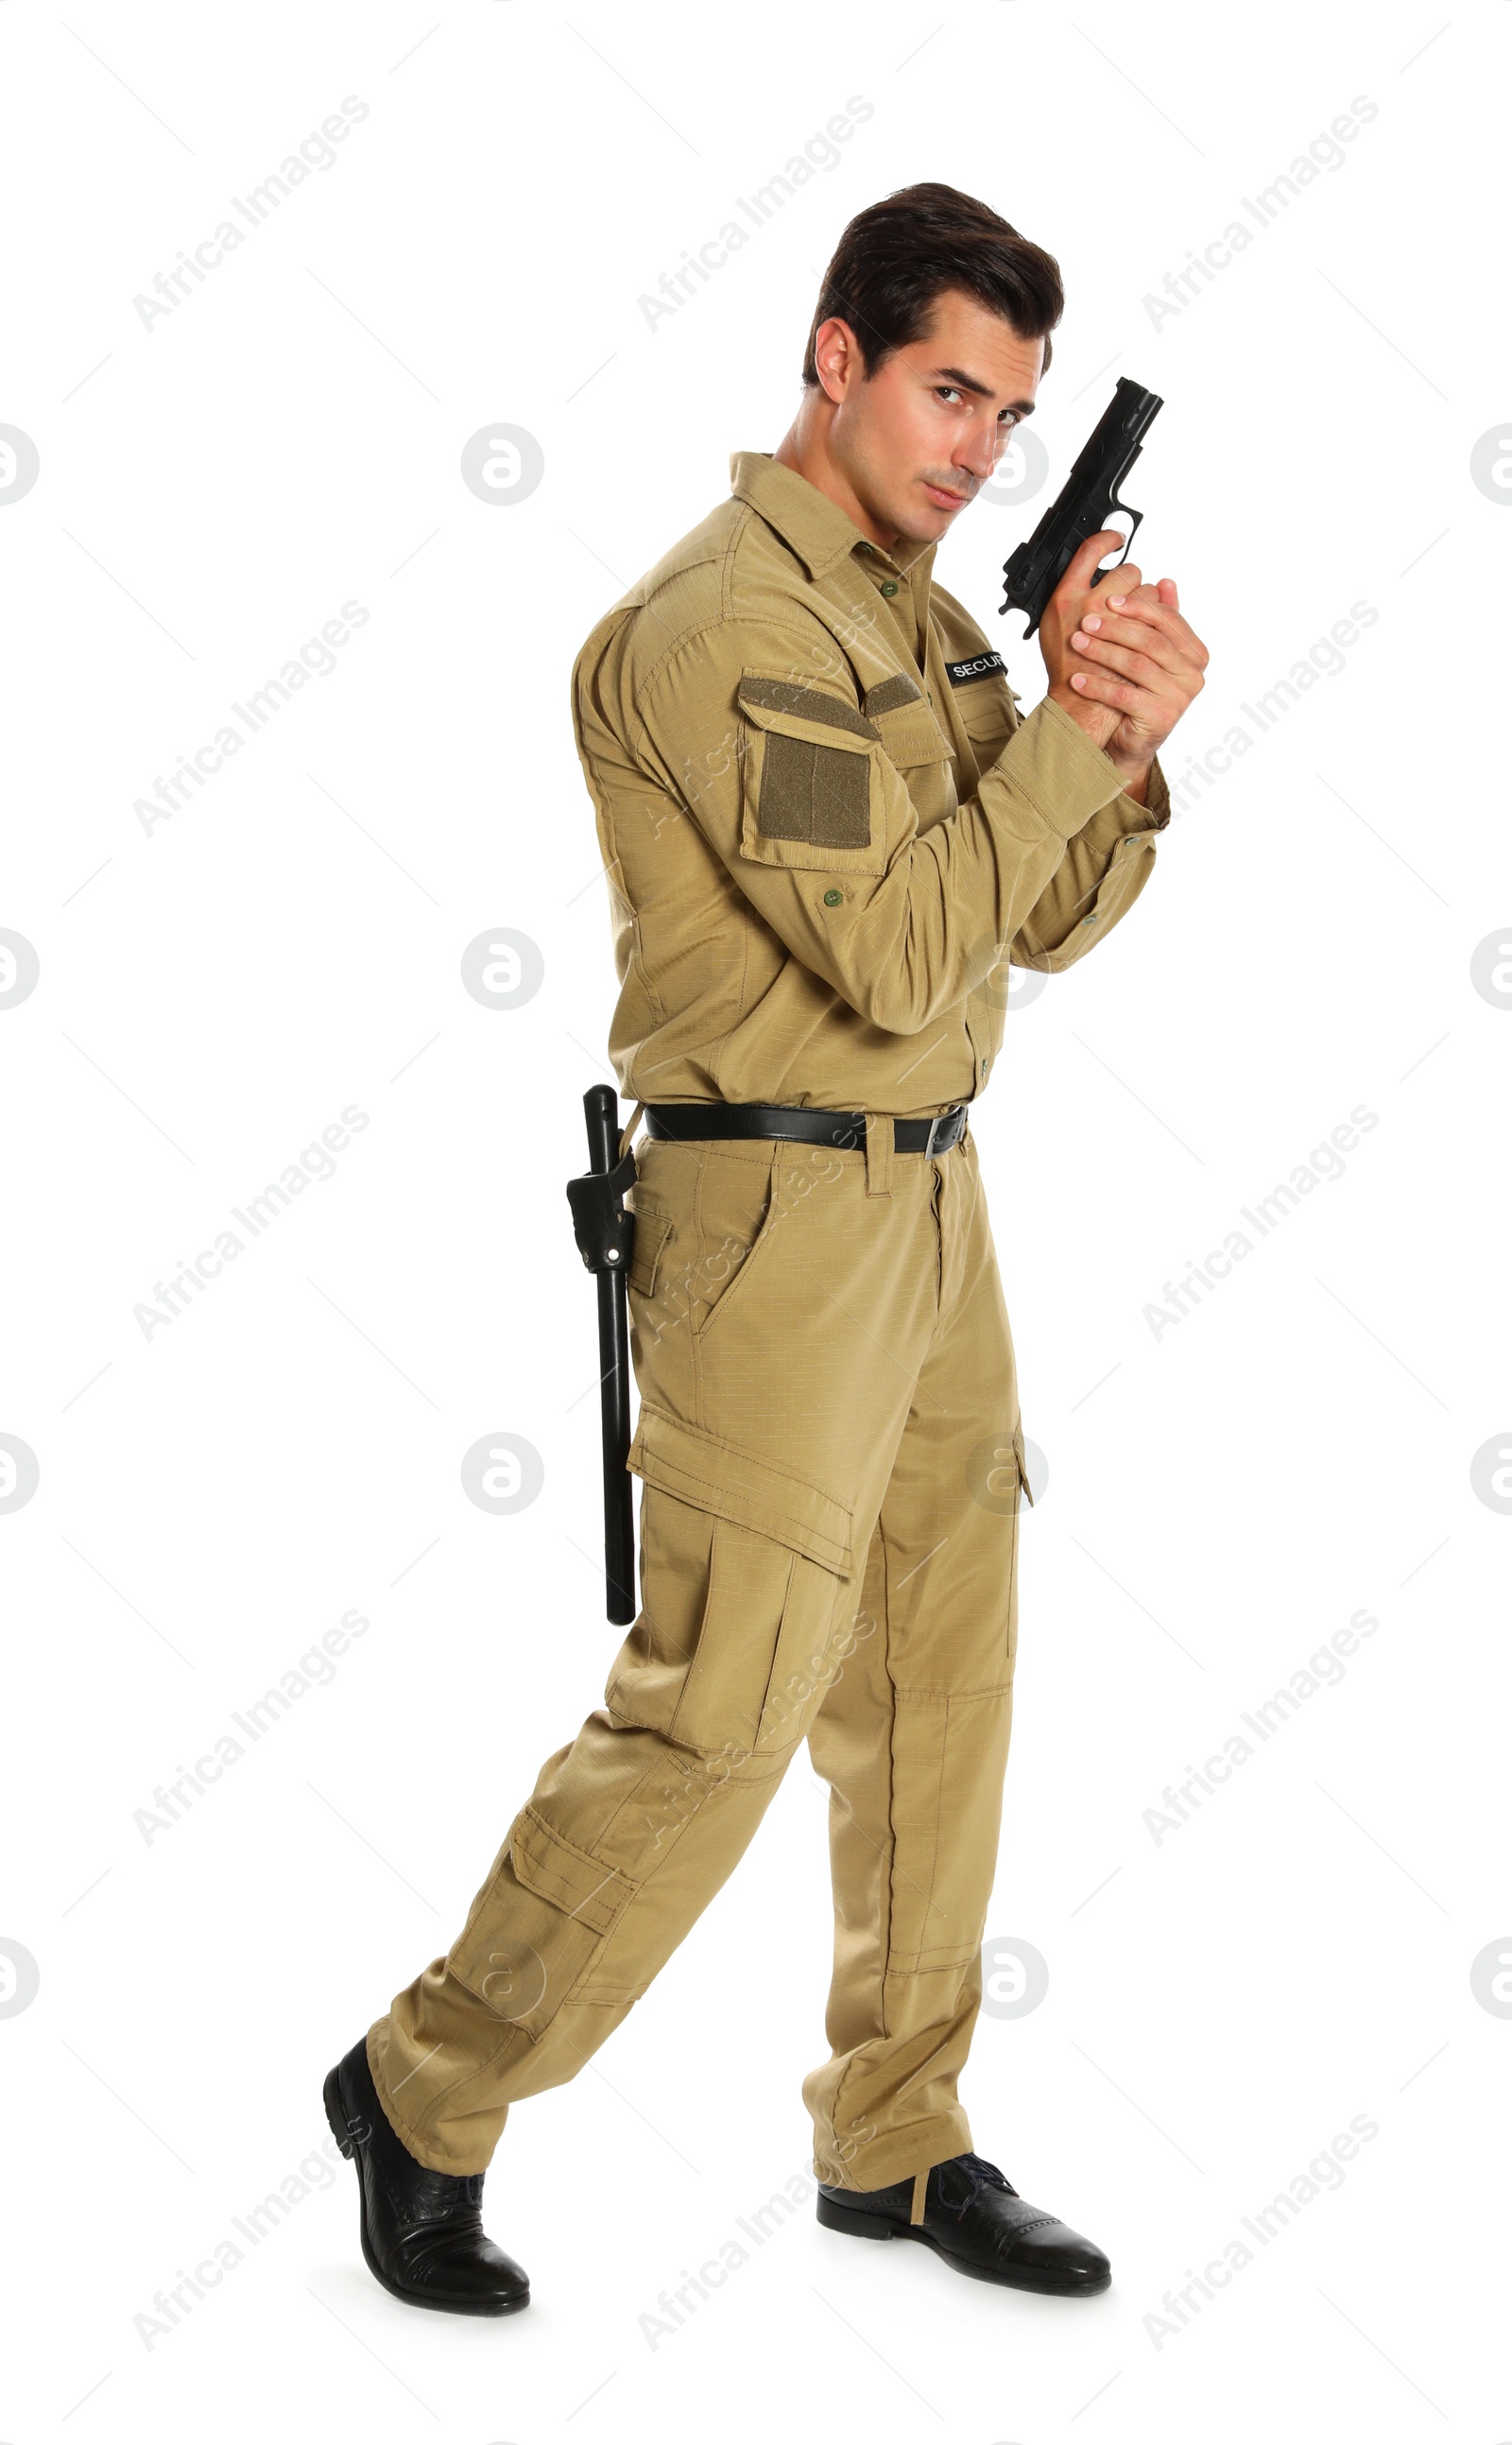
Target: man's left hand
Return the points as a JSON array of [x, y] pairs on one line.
[[1137, 654]]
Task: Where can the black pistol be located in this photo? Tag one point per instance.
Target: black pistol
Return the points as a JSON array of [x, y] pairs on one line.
[[1083, 505], [605, 1238]]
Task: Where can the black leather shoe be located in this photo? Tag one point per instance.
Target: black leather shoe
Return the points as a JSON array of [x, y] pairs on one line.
[[422, 2232], [976, 2221]]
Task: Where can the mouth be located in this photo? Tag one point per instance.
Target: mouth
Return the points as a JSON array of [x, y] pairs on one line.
[[943, 498]]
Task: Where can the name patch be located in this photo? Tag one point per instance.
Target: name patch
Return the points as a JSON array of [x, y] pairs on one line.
[[980, 666]]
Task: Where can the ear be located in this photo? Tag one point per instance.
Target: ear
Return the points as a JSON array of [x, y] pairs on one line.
[[837, 358]]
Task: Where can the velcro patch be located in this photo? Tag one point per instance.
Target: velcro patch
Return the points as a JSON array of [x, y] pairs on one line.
[[980, 666], [819, 795]]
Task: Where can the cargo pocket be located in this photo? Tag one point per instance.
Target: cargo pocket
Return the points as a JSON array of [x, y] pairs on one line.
[[559, 1904], [742, 1563], [812, 791]]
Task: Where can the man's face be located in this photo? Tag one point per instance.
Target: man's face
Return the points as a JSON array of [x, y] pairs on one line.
[[919, 441]]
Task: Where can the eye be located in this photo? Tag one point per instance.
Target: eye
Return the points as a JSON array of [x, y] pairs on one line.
[[946, 390]]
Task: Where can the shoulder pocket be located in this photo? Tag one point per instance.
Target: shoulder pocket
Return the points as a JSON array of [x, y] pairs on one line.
[[812, 792]]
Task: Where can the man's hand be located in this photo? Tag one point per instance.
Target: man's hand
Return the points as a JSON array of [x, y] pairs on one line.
[[1125, 676]]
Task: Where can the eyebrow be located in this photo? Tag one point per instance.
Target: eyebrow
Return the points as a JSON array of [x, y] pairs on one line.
[[965, 382]]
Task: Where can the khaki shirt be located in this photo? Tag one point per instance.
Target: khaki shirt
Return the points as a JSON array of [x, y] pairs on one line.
[[826, 830]]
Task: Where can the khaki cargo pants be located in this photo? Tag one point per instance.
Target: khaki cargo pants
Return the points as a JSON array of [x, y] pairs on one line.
[[831, 1459]]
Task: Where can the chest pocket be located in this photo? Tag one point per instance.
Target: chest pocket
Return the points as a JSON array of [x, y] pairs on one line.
[[812, 790], [916, 745], [989, 715], [905, 719]]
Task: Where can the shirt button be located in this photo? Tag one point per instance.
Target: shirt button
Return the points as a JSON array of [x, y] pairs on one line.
[[1092, 920], [890, 585], [833, 899]]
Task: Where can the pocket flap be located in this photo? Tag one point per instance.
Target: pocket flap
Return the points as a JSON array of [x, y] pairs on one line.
[[904, 726], [906, 718], [714, 1476], [808, 713], [910, 735], [560, 1873]]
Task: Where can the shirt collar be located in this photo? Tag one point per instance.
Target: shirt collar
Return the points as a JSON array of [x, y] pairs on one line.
[[811, 524]]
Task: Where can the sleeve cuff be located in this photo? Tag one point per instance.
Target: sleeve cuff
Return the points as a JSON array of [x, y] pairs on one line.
[[1156, 811], [1053, 763]]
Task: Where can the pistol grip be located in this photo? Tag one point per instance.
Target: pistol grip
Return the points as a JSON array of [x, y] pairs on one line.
[[1137, 515]]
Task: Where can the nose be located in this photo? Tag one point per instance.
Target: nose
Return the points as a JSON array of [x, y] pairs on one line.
[[978, 454]]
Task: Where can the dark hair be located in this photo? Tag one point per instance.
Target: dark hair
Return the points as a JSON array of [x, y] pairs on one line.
[[895, 258]]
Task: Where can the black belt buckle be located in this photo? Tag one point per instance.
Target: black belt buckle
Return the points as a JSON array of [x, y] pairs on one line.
[[943, 1120]]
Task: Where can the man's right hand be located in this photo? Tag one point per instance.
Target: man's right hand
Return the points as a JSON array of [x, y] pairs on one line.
[[1075, 596]]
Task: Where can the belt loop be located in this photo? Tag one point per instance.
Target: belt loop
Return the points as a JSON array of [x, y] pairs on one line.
[[629, 1131], [879, 1154]]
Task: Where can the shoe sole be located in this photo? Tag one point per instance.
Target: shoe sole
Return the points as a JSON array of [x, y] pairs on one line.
[[873, 2228], [336, 2116]]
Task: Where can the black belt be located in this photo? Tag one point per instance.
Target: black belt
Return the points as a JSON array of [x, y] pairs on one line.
[[692, 1122]]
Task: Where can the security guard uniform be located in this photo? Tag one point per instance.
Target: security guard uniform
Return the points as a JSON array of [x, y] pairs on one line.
[[826, 832]]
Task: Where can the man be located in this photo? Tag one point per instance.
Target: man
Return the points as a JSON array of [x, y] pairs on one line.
[[827, 834]]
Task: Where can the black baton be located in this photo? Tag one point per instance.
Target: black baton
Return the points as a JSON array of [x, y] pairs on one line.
[[605, 1238]]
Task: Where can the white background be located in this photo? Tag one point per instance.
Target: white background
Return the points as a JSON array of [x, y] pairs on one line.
[[1220, 1499]]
